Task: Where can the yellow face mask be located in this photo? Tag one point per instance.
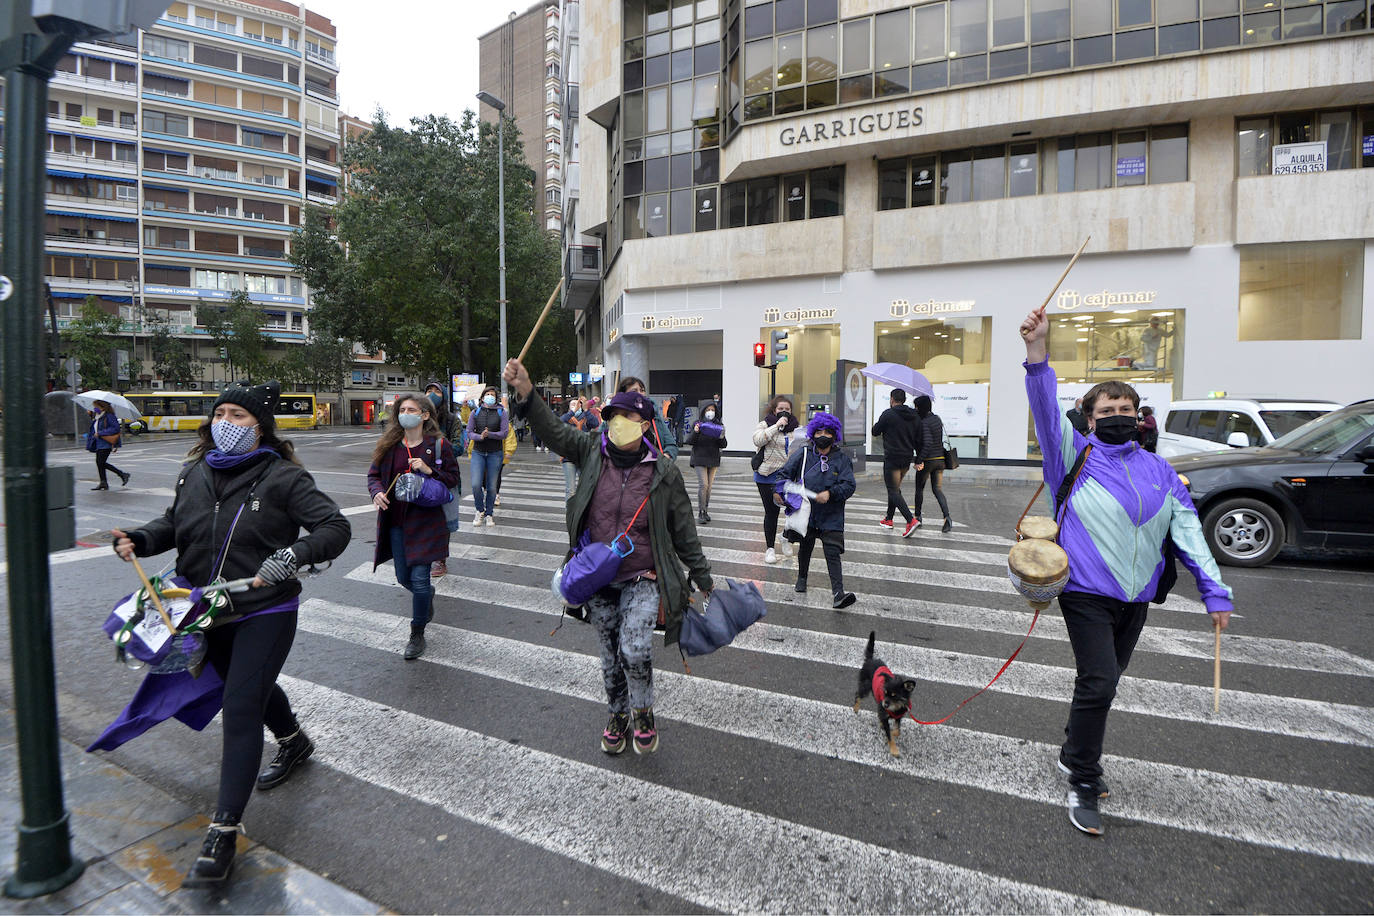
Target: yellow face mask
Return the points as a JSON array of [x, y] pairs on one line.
[[623, 432]]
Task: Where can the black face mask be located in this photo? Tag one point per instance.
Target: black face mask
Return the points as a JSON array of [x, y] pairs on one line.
[[824, 442], [1116, 430]]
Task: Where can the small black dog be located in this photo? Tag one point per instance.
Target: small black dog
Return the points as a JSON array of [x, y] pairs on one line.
[[891, 692]]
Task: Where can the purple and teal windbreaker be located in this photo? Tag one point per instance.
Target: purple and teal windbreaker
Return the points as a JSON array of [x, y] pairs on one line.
[[1125, 501]]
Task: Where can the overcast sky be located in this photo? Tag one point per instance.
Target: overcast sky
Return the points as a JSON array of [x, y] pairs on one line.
[[411, 57]]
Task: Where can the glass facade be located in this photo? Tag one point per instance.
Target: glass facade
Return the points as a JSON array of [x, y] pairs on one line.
[[1301, 291], [1347, 132]]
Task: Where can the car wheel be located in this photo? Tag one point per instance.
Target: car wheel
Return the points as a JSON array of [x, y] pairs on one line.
[[1244, 532]]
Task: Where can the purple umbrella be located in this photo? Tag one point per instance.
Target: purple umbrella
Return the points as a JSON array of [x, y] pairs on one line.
[[900, 376]]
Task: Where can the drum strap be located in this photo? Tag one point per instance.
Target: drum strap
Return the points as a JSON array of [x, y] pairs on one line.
[[1061, 497]]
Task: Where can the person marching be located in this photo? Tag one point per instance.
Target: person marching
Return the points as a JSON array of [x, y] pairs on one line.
[[582, 420], [104, 440], [828, 472], [508, 447], [774, 436], [662, 434], [930, 460], [412, 536], [898, 426], [487, 428], [706, 444], [627, 485], [1124, 502], [240, 470]]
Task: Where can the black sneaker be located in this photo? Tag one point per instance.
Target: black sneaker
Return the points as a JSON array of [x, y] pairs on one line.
[[801, 585], [947, 527], [211, 868], [1102, 790], [291, 753], [613, 739], [124, 479], [415, 647], [1083, 808], [705, 516], [646, 735], [844, 600]]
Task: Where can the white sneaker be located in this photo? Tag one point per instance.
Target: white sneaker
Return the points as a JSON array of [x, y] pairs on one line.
[[497, 502], [477, 520], [786, 549], [770, 556], [490, 521]]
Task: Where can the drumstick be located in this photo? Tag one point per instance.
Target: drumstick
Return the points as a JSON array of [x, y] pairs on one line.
[[1057, 283], [1216, 671], [152, 593], [540, 323]]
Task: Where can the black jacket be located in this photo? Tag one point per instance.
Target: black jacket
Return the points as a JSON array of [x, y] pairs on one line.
[[898, 427], [930, 437], [706, 449], [284, 501]]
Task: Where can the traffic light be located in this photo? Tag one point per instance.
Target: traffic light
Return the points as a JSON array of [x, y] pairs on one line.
[[760, 355], [779, 339]]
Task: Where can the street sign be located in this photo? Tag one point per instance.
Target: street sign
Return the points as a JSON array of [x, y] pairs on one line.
[[575, 378]]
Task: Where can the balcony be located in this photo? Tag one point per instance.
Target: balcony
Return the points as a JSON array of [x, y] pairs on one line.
[[59, 241], [76, 160], [582, 272], [315, 90], [318, 198], [93, 83]]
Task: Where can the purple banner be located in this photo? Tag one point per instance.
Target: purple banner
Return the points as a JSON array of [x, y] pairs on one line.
[[1130, 166]]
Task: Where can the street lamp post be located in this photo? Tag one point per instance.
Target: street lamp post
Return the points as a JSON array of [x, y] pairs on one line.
[[488, 99]]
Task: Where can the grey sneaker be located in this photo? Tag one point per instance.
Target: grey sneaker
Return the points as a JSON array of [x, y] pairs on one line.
[[1083, 814]]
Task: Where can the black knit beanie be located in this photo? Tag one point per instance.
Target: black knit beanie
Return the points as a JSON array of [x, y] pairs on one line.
[[259, 400]]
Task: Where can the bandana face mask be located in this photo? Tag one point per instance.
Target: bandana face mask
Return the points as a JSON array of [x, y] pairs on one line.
[[232, 439]]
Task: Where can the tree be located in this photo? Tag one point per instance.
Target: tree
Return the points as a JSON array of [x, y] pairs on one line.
[[90, 340], [171, 357], [407, 260], [237, 331], [322, 363]]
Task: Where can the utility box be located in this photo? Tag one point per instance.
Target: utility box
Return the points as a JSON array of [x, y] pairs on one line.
[[61, 508]]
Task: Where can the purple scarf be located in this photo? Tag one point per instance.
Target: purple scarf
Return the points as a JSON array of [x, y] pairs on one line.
[[220, 461]]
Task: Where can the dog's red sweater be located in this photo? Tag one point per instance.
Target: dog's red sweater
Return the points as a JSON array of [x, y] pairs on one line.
[[878, 682]]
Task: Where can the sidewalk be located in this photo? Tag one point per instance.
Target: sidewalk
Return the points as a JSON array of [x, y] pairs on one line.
[[137, 842]]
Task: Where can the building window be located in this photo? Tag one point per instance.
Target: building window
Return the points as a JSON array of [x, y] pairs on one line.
[[1301, 291], [169, 48], [1348, 134]]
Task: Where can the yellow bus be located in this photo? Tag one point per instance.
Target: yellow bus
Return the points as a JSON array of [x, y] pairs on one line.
[[173, 411]]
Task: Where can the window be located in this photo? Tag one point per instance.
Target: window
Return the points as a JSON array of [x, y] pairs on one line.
[[159, 123], [214, 57], [261, 66], [216, 279], [1234, 422], [1209, 426], [220, 131], [169, 48], [1301, 291], [166, 85], [892, 176], [1179, 421], [827, 192], [127, 192]]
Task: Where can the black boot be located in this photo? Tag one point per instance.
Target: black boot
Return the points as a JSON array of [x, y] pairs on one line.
[[124, 479], [211, 869], [948, 526], [705, 516], [844, 599], [291, 753], [416, 647]]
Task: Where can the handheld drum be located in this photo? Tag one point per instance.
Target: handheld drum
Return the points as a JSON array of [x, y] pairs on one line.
[[1037, 566]]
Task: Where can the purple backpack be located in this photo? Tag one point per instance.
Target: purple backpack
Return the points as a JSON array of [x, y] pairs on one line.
[[593, 565]]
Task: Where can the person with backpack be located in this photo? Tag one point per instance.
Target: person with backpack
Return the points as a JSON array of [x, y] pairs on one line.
[[451, 429], [828, 472], [707, 441], [239, 508], [773, 439], [930, 460], [487, 428], [582, 420], [661, 435], [898, 426], [628, 490], [104, 440], [1120, 504]]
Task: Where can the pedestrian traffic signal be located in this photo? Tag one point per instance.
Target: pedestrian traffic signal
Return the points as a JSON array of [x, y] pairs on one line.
[[779, 339], [760, 355]]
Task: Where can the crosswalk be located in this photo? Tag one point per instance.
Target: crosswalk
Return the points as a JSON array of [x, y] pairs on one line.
[[842, 826]]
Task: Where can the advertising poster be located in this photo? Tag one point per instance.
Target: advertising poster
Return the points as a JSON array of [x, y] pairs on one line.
[[963, 408]]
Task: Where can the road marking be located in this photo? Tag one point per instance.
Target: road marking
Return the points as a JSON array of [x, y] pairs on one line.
[[680, 842], [1335, 722]]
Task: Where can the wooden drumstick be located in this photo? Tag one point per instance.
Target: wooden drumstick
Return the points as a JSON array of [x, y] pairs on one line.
[[1216, 670], [1060, 281], [152, 593], [540, 323]]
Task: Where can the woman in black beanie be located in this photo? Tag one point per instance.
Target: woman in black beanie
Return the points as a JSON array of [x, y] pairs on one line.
[[239, 507]]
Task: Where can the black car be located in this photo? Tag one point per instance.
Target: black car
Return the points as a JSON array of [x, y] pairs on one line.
[[1311, 488]]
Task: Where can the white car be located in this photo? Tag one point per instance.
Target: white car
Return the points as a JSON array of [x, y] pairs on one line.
[[1214, 424]]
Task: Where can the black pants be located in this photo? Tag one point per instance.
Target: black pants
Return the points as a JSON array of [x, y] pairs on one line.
[[1103, 633], [248, 656], [832, 542], [770, 513], [933, 468], [892, 477], [102, 464]]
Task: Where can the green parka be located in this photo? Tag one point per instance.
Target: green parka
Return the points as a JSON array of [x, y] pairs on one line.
[[672, 525]]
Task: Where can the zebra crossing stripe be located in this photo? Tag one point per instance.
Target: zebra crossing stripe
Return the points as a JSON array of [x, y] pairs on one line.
[[1334, 722], [1256, 811], [528, 795]]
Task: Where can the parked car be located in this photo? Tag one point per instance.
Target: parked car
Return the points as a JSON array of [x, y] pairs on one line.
[[1213, 424], [1312, 488]]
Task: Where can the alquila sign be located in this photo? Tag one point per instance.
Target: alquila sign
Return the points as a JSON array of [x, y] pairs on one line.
[[857, 126]]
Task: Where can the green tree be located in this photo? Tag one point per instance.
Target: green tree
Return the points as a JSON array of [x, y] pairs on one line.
[[171, 356], [322, 363], [237, 330], [91, 341], [407, 260]]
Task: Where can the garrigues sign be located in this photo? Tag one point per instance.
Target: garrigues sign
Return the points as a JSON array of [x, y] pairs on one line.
[[840, 128]]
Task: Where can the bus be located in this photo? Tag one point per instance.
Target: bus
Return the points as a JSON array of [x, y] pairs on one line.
[[175, 411]]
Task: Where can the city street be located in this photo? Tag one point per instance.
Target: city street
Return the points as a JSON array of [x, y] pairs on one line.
[[472, 779]]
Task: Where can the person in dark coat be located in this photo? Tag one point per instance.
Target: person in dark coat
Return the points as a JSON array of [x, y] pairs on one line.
[[662, 434], [1077, 419], [1149, 429], [898, 426], [930, 459], [409, 535], [707, 440], [451, 430], [103, 439], [826, 471], [239, 507]]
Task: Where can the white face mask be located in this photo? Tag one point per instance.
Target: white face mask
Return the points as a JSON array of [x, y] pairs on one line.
[[710, 415]]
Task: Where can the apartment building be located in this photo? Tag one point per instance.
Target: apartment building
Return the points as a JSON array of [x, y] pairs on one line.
[[896, 182]]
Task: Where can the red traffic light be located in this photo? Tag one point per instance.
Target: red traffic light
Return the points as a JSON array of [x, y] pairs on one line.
[[760, 355]]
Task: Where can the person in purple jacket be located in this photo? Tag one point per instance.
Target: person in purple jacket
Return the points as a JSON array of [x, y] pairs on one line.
[[1124, 503]]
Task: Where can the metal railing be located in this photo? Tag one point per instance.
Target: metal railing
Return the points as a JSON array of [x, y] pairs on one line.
[[583, 262], [84, 240]]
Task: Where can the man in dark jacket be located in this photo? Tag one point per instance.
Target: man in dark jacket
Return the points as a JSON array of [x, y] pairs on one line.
[[1076, 417], [827, 472], [897, 425]]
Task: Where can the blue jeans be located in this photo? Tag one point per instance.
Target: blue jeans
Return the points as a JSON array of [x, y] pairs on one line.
[[485, 468], [414, 579]]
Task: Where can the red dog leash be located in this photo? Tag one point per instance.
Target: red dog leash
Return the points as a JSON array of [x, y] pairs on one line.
[[999, 673]]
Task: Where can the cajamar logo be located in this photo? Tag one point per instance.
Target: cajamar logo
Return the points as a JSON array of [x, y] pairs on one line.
[[672, 322], [772, 315], [647, 322], [1071, 299], [901, 308]]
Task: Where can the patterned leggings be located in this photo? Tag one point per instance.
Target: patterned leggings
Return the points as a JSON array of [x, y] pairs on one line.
[[624, 620]]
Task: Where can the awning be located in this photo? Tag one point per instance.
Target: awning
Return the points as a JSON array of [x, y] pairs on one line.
[[62, 173], [113, 178], [320, 179], [265, 133], [113, 219], [165, 152], [60, 295]]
